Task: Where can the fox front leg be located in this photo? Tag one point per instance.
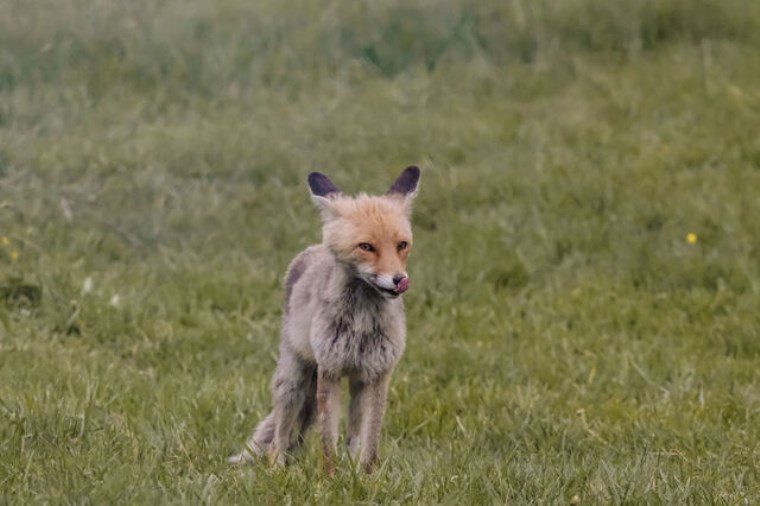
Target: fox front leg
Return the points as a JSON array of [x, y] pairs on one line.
[[356, 388], [328, 413], [374, 396]]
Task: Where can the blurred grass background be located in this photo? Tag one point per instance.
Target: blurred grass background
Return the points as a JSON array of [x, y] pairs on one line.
[[566, 340]]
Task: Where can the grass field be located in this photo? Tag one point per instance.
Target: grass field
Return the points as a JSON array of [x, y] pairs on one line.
[[569, 340]]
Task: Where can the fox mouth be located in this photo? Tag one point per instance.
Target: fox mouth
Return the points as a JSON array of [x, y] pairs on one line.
[[387, 292]]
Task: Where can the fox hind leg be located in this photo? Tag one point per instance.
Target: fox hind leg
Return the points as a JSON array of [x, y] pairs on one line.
[[308, 414], [292, 391]]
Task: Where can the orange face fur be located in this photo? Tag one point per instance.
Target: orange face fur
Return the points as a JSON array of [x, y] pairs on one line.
[[371, 233]]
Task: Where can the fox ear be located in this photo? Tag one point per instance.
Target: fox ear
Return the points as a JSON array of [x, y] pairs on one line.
[[406, 186], [321, 186], [323, 192], [407, 182]]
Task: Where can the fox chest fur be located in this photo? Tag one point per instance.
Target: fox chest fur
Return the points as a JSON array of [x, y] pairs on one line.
[[339, 321]]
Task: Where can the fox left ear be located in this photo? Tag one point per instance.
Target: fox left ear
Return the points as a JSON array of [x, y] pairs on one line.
[[407, 182], [406, 185]]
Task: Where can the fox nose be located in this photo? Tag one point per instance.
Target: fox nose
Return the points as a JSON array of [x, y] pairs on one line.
[[402, 283]]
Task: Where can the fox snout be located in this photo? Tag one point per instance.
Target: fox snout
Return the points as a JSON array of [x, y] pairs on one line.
[[392, 286], [401, 282]]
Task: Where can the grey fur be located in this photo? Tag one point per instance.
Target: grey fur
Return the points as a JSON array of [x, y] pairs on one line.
[[335, 324]]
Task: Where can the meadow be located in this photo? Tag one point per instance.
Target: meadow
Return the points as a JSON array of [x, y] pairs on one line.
[[584, 310]]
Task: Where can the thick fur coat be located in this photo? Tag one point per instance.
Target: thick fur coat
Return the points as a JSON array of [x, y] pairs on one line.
[[343, 317]]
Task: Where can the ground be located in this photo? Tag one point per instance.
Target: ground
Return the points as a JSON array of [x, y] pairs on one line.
[[583, 316]]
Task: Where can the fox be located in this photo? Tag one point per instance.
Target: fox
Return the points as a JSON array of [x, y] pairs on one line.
[[343, 316]]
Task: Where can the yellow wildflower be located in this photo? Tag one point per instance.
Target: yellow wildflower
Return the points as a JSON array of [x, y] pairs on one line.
[[14, 255], [5, 241], [691, 238]]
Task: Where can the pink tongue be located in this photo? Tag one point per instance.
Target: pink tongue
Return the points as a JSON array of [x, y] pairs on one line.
[[402, 285]]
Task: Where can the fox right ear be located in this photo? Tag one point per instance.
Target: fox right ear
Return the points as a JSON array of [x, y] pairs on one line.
[[321, 186], [323, 191]]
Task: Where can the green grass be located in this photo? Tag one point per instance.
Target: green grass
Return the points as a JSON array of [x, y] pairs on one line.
[[565, 339]]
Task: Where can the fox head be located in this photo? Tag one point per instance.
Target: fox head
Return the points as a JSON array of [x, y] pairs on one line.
[[370, 233]]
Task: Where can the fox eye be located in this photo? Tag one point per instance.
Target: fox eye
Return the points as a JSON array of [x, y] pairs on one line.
[[403, 245], [366, 246]]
